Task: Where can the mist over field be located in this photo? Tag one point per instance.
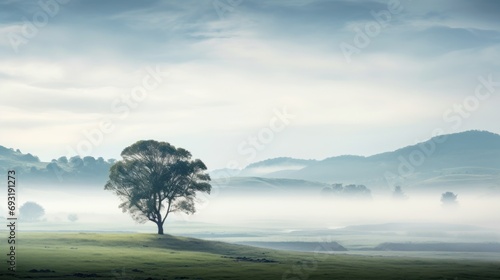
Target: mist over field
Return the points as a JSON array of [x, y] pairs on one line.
[[276, 211]]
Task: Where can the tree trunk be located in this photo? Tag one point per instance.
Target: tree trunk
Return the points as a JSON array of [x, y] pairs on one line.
[[160, 227]]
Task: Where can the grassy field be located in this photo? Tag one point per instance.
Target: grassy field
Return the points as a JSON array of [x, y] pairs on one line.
[[148, 256]]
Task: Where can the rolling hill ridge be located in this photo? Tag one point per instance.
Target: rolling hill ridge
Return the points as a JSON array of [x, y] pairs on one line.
[[459, 160], [462, 160]]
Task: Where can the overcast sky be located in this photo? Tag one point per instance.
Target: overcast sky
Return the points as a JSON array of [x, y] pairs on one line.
[[237, 81]]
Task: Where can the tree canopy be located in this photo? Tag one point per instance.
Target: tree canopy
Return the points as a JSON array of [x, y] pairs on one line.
[[398, 193], [348, 191], [31, 211], [155, 178], [449, 198]]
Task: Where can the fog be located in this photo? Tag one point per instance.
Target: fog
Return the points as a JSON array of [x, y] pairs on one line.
[[97, 209], [314, 211]]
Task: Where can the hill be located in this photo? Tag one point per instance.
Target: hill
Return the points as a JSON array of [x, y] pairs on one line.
[[276, 165], [466, 161], [242, 184], [459, 160], [10, 158], [61, 171]]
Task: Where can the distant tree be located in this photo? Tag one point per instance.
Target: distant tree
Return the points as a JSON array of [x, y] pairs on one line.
[[350, 191], [357, 191], [31, 212], [337, 188], [89, 161], [449, 198], [76, 162], [398, 193], [73, 217], [154, 179], [62, 160], [29, 157], [100, 160], [53, 167]]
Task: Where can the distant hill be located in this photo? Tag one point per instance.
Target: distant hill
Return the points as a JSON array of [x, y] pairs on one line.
[[276, 166], [61, 171], [466, 160], [459, 160], [237, 184], [15, 158]]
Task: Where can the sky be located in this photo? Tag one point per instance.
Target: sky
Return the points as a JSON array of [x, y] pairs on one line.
[[238, 81]]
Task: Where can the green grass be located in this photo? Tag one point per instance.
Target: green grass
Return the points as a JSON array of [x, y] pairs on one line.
[[143, 256]]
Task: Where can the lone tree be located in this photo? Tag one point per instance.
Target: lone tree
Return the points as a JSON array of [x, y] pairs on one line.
[[73, 217], [449, 198], [31, 212], [356, 191], [398, 193], [154, 179]]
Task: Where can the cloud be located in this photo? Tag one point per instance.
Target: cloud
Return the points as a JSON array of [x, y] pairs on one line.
[[229, 74]]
